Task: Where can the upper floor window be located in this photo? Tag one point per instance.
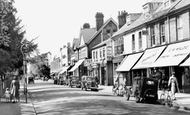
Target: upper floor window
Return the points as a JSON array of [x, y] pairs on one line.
[[152, 35], [179, 27], [133, 42], [103, 52], [94, 55], [100, 54], [140, 40], [162, 33]]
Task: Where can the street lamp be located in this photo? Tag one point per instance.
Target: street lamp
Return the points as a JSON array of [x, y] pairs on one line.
[[24, 46]]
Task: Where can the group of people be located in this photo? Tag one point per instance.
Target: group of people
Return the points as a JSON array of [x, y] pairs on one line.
[[12, 93], [165, 83]]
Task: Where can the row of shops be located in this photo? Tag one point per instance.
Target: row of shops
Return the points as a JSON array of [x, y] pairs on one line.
[[166, 59]]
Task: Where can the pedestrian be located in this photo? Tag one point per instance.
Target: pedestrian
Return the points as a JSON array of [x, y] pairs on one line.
[[173, 85], [15, 86]]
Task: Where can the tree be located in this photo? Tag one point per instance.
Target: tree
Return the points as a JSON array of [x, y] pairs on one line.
[[12, 38]]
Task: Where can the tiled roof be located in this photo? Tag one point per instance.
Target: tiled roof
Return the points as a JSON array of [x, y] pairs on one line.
[[87, 33], [97, 32], [75, 43], [126, 27], [180, 4]]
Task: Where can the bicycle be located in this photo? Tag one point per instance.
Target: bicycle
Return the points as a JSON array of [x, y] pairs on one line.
[[166, 99]]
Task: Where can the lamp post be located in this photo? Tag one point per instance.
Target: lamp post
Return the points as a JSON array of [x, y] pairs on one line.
[[25, 79]]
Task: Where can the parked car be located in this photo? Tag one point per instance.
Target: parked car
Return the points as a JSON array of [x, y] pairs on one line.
[[144, 89], [75, 81], [89, 82], [31, 80], [61, 80]]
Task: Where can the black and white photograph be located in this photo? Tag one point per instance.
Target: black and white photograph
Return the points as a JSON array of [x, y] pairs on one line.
[[94, 57]]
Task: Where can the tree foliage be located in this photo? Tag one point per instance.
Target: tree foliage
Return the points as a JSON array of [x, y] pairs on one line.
[[12, 38]]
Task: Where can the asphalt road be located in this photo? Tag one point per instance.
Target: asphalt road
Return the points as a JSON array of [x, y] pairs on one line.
[[51, 99]]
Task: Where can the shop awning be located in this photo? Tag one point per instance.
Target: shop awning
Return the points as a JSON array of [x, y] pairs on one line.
[[64, 69], [128, 62], [149, 57], [186, 63], [173, 55], [76, 65]]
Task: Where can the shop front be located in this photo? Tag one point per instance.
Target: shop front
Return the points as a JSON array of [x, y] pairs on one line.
[[126, 65], [143, 66], [171, 59], [117, 76], [78, 69]]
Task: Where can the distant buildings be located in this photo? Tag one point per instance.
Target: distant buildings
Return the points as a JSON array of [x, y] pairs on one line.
[[159, 37]]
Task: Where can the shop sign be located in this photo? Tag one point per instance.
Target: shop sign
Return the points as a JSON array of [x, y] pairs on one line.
[[87, 62], [109, 53]]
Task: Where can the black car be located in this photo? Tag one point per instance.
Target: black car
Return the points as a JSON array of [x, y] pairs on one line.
[[74, 81], [89, 82], [145, 89]]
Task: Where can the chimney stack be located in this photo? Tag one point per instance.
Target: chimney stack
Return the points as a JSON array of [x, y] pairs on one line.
[[122, 18], [99, 20], [86, 25]]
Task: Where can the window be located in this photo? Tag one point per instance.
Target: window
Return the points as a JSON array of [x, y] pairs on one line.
[[162, 33], [100, 53], [152, 34], [179, 27], [133, 42], [93, 55], [140, 40], [96, 55], [103, 52]]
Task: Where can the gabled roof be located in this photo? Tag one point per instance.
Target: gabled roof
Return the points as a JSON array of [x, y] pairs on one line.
[[75, 43], [103, 26], [87, 33], [101, 44], [158, 13]]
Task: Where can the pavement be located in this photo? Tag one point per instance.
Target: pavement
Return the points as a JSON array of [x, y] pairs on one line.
[[182, 101], [22, 108]]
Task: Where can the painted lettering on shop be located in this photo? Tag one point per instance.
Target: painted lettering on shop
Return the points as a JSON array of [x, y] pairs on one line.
[[148, 57], [178, 48], [177, 55]]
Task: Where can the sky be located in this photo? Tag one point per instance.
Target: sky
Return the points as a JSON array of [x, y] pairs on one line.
[[56, 22]]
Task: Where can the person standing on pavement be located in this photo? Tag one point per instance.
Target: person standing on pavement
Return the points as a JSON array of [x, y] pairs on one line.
[[173, 85], [15, 86]]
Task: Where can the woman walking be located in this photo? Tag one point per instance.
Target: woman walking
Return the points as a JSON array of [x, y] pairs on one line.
[[173, 85], [14, 89]]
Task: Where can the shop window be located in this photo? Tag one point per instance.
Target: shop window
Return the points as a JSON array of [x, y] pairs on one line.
[[152, 35], [162, 33]]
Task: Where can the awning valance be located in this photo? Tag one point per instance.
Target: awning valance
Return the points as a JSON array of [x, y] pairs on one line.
[[186, 63], [128, 62], [149, 57], [173, 55], [64, 69], [76, 65]]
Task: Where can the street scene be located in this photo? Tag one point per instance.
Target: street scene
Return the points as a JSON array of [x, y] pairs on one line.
[[97, 57], [50, 99]]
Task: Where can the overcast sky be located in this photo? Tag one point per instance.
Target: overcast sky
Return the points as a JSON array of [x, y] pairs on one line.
[[57, 22]]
